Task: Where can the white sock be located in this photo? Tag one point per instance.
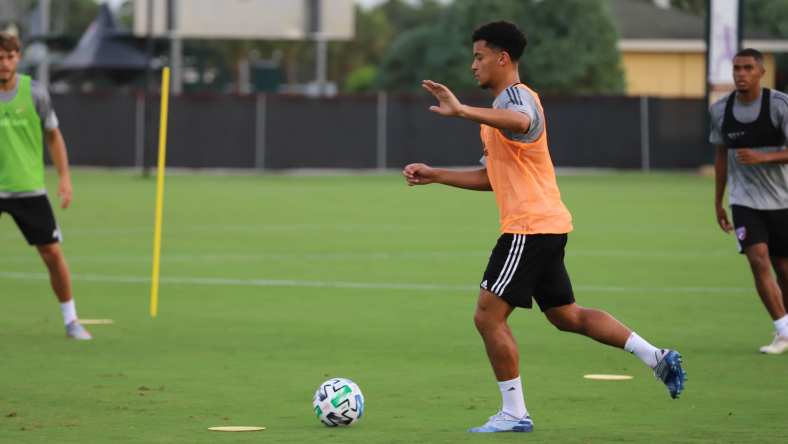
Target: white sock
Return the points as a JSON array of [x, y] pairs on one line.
[[513, 398], [69, 311], [781, 325], [647, 353]]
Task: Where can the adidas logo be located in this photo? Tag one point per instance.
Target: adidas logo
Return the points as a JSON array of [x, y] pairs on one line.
[[484, 284]]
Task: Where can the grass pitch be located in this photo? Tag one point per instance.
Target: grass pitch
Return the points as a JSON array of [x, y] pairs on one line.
[[271, 284]]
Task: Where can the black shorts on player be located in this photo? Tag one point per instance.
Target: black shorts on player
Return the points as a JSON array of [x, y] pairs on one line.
[[34, 217], [523, 267], [753, 226]]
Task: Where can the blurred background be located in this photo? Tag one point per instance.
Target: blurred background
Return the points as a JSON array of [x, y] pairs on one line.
[[280, 84]]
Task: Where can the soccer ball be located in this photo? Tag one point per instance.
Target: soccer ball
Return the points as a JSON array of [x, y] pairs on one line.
[[338, 402]]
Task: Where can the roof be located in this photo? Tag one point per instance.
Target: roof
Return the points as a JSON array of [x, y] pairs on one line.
[[643, 26], [102, 47]]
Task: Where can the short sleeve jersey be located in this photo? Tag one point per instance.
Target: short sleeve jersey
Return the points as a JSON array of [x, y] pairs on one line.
[[521, 171], [21, 165], [764, 186], [42, 101]]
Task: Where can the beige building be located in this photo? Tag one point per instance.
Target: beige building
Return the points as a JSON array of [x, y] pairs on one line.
[[663, 51]]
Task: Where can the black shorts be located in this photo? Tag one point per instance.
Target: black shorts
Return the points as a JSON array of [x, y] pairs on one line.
[[761, 226], [523, 266], [34, 217]]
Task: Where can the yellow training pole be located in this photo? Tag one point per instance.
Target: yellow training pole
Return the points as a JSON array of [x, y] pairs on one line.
[[165, 95]]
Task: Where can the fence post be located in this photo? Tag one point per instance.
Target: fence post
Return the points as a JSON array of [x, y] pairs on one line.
[[645, 136], [139, 130], [382, 130], [259, 131]]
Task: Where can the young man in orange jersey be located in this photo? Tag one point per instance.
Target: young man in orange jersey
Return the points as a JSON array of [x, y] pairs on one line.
[[528, 259]]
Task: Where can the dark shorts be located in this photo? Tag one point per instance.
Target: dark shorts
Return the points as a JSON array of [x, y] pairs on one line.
[[34, 217], [522, 267], [761, 226]]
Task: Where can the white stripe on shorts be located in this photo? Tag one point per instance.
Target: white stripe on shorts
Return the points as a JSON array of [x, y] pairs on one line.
[[516, 263], [515, 250]]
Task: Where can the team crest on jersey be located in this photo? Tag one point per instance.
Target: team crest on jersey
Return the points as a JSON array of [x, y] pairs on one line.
[[741, 233]]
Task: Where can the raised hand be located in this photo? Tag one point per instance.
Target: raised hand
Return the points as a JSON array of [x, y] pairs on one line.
[[448, 105]]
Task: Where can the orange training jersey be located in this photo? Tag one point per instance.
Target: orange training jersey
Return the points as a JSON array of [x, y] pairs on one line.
[[521, 172]]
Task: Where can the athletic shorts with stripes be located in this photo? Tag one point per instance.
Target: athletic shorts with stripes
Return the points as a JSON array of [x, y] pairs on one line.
[[523, 267]]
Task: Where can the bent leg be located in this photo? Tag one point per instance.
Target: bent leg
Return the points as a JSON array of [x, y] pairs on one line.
[[596, 324]]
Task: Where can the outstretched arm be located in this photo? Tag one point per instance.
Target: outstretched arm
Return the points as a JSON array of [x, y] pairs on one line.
[[449, 105], [57, 150], [421, 174]]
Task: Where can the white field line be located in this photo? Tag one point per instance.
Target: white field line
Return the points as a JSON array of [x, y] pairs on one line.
[[116, 279], [369, 256], [98, 232]]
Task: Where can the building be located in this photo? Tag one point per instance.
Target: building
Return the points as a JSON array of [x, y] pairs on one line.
[[663, 50]]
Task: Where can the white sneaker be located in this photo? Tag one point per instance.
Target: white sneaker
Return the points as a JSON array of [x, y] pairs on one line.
[[504, 422], [778, 345], [75, 330]]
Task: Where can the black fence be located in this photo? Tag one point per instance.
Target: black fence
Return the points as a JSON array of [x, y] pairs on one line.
[[377, 131]]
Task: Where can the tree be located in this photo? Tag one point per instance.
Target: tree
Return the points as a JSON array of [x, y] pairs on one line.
[[571, 49]]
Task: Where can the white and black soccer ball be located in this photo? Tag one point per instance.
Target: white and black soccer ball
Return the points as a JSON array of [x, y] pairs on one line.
[[338, 402]]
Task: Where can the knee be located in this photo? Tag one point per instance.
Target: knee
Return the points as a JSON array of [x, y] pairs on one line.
[[567, 321], [760, 263], [51, 254], [484, 322], [760, 267]]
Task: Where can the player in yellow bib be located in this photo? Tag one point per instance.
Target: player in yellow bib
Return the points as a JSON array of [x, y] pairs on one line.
[[528, 260], [27, 120]]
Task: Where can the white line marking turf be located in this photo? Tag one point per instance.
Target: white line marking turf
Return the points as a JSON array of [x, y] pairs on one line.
[[219, 281]]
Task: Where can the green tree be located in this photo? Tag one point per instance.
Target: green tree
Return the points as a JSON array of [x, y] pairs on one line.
[[78, 14], [405, 15], [770, 16], [363, 79], [351, 63], [572, 46]]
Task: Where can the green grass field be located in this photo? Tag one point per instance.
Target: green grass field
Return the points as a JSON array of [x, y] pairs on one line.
[[271, 284]]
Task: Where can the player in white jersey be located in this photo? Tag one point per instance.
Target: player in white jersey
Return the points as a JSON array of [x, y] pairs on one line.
[[749, 129]]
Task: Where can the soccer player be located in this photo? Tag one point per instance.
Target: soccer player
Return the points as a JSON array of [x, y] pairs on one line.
[[25, 108], [528, 259], [749, 128]]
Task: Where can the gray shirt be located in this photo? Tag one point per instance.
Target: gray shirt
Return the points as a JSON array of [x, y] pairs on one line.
[[522, 101], [764, 186], [42, 101], [48, 118]]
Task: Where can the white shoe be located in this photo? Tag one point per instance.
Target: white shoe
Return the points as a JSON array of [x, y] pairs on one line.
[[504, 422], [778, 345], [75, 330]]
